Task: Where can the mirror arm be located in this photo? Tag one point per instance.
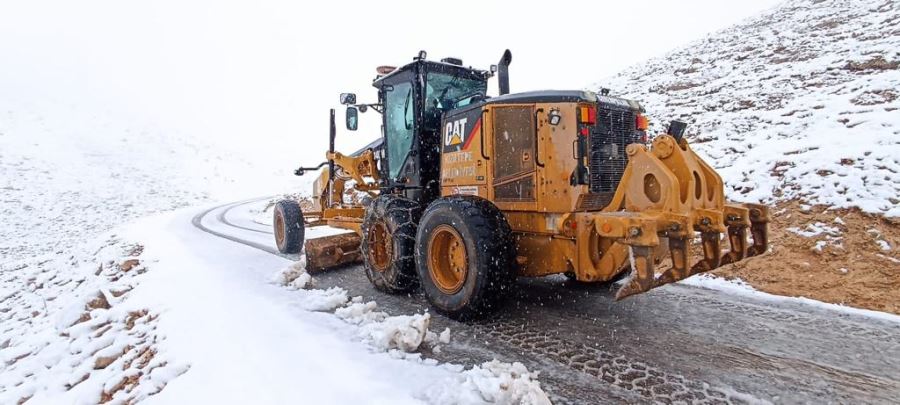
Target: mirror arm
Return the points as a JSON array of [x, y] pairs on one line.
[[379, 108], [302, 170]]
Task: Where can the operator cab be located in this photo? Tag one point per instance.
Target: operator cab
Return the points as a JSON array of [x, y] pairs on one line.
[[412, 100]]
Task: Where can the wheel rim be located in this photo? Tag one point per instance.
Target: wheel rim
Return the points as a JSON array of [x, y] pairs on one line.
[[279, 229], [381, 247], [447, 259]]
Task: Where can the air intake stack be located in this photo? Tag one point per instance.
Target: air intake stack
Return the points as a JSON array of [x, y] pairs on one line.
[[503, 72]]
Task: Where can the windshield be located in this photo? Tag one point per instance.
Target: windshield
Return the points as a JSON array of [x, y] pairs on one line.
[[446, 91]]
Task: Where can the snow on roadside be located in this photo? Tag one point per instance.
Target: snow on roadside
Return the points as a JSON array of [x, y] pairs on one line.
[[739, 287], [71, 333], [492, 382]]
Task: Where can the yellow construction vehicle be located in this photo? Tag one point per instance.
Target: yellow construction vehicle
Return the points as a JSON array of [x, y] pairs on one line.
[[474, 191]]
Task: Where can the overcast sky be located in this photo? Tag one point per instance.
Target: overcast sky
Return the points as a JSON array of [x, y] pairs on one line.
[[267, 71]]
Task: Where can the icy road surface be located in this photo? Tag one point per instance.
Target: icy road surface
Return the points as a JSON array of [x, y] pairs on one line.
[[675, 343]]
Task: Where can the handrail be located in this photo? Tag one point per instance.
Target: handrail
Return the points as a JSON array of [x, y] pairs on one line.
[[537, 137], [483, 156]]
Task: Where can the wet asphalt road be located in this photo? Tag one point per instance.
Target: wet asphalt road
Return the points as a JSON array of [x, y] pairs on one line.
[[674, 344]]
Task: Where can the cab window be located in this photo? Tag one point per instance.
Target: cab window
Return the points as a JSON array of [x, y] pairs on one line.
[[445, 91], [399, 119]]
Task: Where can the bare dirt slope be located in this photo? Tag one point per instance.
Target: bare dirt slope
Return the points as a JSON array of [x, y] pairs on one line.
[[843, 259]]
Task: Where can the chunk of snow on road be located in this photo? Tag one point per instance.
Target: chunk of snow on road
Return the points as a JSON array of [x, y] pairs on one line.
[[444, 337], [492, 382], [741, 288], [324, 300], [358, 312], [294, 276], [403, 332]]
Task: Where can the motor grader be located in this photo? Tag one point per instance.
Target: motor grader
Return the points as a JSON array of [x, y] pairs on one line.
[[471, 191]]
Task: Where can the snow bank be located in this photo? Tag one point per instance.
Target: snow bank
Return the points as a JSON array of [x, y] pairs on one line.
[[492, 382], [739, 287], [405, 332], [294, 276]]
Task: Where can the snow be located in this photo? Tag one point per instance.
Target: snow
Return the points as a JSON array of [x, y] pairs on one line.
[[294, 276], [73, 331], [815, 229], [783, 105], [312, 337], [91, 181], [492, 382], [741, 288]]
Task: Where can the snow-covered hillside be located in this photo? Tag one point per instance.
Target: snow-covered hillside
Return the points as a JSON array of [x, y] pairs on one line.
[[70, 173], [800, 102]]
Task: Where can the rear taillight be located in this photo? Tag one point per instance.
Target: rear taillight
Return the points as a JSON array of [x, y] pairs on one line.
[[641, 123], [587, 114]]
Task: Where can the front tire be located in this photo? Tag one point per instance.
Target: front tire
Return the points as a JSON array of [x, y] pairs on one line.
[[389, 242], [289, 227], [464, 256]]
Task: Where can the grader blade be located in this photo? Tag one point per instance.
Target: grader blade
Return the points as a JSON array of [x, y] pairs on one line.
[[332, 251]]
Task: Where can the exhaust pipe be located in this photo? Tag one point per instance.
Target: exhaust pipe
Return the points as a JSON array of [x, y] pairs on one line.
[[503, 72]]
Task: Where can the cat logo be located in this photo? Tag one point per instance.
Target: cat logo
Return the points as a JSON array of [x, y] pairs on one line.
[[455, 132]]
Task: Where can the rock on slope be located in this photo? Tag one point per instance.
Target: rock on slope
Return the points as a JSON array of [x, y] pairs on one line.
[[798, 107]]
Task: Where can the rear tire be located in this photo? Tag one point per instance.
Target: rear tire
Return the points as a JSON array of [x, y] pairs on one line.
[[465, 256], [289, 227], [389, 242]]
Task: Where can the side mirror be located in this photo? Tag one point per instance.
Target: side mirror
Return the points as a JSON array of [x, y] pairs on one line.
[[352, 118], [348, 98]]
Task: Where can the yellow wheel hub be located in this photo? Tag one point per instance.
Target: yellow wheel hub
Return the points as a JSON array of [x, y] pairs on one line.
[[279, 229], [447, 260], [381, 247]]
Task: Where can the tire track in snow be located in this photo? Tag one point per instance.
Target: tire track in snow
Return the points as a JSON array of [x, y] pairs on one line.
[[223, 218], [197, 221]]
